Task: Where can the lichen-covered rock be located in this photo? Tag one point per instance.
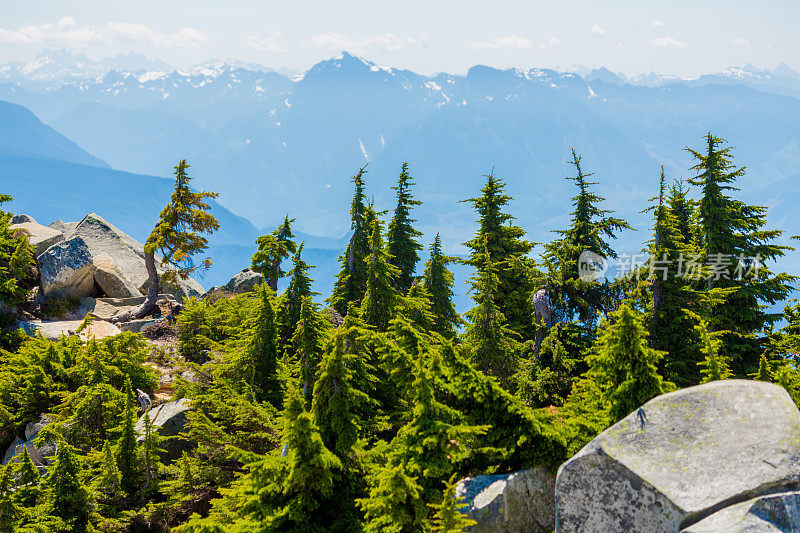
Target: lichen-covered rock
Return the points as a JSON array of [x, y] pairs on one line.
[[111, 279], [54, 329], [681, 456], [21, 219], [773, 513], [40, 237], [520, 502], [65, 269], [168, 420], [244, 281]]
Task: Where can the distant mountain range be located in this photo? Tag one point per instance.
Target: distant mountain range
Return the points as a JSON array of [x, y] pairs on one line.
[[273, 144]]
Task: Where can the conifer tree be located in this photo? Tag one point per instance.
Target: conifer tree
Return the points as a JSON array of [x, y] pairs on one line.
[[402, 244], [177, 237], [624, 365], [272, 250], [308, 342], [351, 281], [151, 449], [381, 297], [261, 354], [16, 259], [448, 517], [734, 240], [28, 482], [590, 228], [394, 501], [290, 303], [491, 344], [764, 369], [336, 400], [9, 510], [714, 366], [671, 328], [68, 498], [438, 280], [109, 481], [508, 253], [127, 456], [684, 209]]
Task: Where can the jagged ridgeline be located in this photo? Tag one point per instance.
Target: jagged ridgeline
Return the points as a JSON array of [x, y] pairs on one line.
[[131, 400]]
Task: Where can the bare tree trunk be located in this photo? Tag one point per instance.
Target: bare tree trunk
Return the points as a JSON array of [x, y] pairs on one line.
[[153, 285]]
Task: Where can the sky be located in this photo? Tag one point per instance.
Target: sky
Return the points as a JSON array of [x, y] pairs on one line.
[[680, 37]]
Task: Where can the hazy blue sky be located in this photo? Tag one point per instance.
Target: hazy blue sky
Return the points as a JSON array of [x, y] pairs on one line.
[[671, 37]]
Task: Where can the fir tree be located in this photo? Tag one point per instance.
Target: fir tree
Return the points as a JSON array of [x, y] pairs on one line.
[[177, 237], [9, 510], [127, 456], [351, 281], [150, 454], [109, 481], [624, 365], [394, 501], [16, 259], [439, 282], [291, 301], [28, 482], [68, 498], [401, 238], [734, 240], [714, 366], [379, 301], [272, 250], [308, 342], [508, 250], [261, 354], [448, 517], [491, 344], [589, 230], [764, 369]]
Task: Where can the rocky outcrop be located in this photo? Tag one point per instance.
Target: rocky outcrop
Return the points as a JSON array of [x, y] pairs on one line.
[[55, 329], [42, 454], [168, 420], [66, 228], [681, 458], [111, 279], [777, 513], [244, 281], [40, 237], [21, 219], [520, 502], [66, 269]]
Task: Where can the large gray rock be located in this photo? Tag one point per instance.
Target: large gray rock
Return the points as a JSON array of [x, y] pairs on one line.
[[42, 453], [40, 237], [67, 228], [21, 219], [55, 329], [168, 420], [244, 281], [105, 239], [65, 269], [111, 279], [773, 513], [520, 502], [680, 457]]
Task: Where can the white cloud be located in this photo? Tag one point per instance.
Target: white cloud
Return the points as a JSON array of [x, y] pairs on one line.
[[386, 42], [598, 31], [68, 31], [551, 43], [268, 43], [510, 42], [667, 42], [742, 42], [657, 23]]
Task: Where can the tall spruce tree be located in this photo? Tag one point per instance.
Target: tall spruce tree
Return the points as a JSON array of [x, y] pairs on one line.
[[624, 365], [28, 481], [127, 455], [401, 237], [290, 303], [272, 250], [308, 343], [438, 280], [261, 354], [491, 345], [590, 229], [68, 497], [351, 281], [381, 297], [508, 253], [9, 510], [738, 247]]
